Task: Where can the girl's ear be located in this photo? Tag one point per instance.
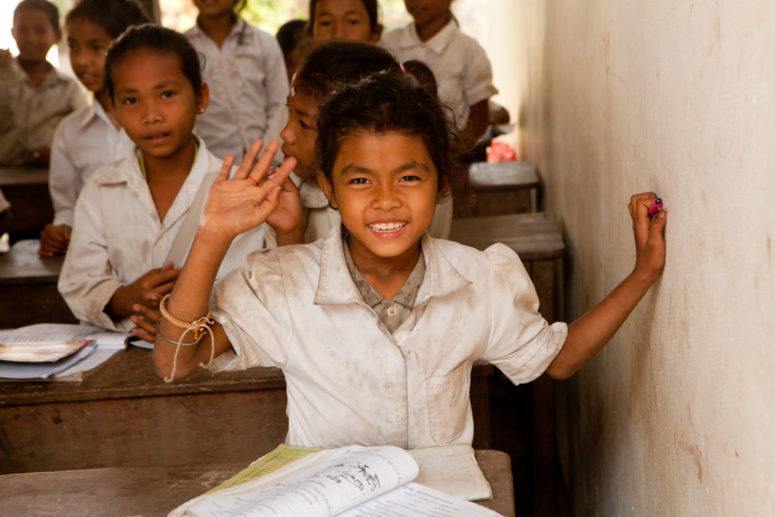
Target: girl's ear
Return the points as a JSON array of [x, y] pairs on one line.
[[328, 190], [442, 192], [203, 99]]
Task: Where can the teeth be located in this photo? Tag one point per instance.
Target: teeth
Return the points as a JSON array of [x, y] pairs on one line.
[[386, 227]]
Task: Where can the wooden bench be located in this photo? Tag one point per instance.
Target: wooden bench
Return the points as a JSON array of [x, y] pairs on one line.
[[27, 191], [499, 188], [124, 415], [28, 288], [154, 491]]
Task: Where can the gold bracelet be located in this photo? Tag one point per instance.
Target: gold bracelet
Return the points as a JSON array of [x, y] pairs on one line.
[[198, 327]]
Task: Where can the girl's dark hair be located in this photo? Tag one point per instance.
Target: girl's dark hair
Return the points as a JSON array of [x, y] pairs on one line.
[[47, 7], [371, 10], [157, 39], [289, 34], [337, 63], [381, 103], [114, 16]]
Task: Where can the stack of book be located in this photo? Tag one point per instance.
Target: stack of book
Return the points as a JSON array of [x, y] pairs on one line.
[[56, 351]]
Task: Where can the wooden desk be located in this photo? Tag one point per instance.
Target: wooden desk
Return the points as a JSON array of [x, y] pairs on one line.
[[499, 188], [27, 191], [124, 415], [28, 288], [152, 491]]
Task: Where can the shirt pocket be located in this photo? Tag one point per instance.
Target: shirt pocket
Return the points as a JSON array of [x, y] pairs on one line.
[[448, 403]]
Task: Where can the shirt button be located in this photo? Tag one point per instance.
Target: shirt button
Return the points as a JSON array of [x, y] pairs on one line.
[[397, 417], [391, 311], [395, 351]]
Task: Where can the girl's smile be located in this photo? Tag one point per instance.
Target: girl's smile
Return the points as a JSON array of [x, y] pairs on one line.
[[385, 186]]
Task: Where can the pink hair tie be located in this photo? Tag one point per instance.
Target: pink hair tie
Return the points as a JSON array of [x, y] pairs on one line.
[[403, 70]]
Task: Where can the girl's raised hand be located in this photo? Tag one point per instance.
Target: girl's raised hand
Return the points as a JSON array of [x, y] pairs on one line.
[[243, 202], [649, 238]]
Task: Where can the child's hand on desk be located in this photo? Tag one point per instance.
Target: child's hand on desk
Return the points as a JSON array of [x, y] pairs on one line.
[[145, 319], [243, 202], [649, 241], [147, 291], [54, 240]]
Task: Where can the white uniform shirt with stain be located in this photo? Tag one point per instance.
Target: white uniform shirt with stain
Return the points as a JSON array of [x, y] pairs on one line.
[[459, 64], [348, 381], [248, 83], [118, 236], [84, 141]]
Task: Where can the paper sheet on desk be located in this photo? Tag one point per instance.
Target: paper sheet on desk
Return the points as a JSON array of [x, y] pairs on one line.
[[104, 345]]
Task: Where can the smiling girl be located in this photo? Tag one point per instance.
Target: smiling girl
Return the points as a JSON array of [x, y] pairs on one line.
[[377, 327], [131, 217], [90, 137]]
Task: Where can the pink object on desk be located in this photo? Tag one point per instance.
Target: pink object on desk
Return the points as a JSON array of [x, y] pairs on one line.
[[655, 206], [500, 152]]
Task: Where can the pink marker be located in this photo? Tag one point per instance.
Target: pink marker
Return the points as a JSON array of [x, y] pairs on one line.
[[655, 206]]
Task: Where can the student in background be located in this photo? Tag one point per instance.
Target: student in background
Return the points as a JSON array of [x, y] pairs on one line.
[[90, 137], [34, 96], [289, 35], [377, 327], [132, 216], [330, 67], [354, 20], [245, 70], [461, 66]]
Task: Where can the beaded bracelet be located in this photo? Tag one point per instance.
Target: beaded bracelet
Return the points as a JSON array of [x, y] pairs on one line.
[[199, 328]]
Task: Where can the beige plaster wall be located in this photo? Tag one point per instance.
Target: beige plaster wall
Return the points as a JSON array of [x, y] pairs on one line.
[[677, 415]]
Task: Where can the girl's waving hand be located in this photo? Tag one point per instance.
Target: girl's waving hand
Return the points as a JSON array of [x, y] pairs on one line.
[[243, 202]]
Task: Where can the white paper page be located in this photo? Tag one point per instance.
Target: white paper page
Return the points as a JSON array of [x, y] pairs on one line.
[[43, 370], [453, 470], [64, 331], [413, 500], [349, 477]]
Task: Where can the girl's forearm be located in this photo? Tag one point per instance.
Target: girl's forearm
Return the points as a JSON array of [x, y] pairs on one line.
[[188, 302], [588, 334]]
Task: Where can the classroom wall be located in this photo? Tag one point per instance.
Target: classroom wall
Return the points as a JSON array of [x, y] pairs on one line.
[[677, 415]]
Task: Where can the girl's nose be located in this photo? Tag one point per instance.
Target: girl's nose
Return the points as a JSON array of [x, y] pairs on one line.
[[338, 30], [386, 198], [287, 134], [151, 115]]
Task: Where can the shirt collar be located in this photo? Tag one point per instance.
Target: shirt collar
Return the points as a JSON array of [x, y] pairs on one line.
[[94, 110], [127, 170], [437, 43], [336, 286], [240, 27]]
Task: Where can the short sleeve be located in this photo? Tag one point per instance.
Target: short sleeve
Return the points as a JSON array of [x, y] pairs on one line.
[[251, 306], [63, 176], [477, 81], [522, 344]]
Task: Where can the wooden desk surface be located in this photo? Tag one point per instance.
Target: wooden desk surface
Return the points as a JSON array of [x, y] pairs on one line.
[[22, 265], [11, 176], [150, 491], [534, 236], [130, 374], [483, 176]]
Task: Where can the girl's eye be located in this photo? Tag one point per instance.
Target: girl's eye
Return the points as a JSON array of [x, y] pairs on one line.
[[409, 178], [304, 125], [167, 94], [96, 48], [128, 100], [353, 21], [359, 181], [323, 23]]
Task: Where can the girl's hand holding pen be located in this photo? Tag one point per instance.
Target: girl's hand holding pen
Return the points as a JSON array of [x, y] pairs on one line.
[[243, 202], [649, 238]]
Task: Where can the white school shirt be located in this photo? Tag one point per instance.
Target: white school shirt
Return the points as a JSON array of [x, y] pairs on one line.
[[348, 382], [247, 81], [321, 218], [29, 116], [459, 64], [118, 237], [84, 141]]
